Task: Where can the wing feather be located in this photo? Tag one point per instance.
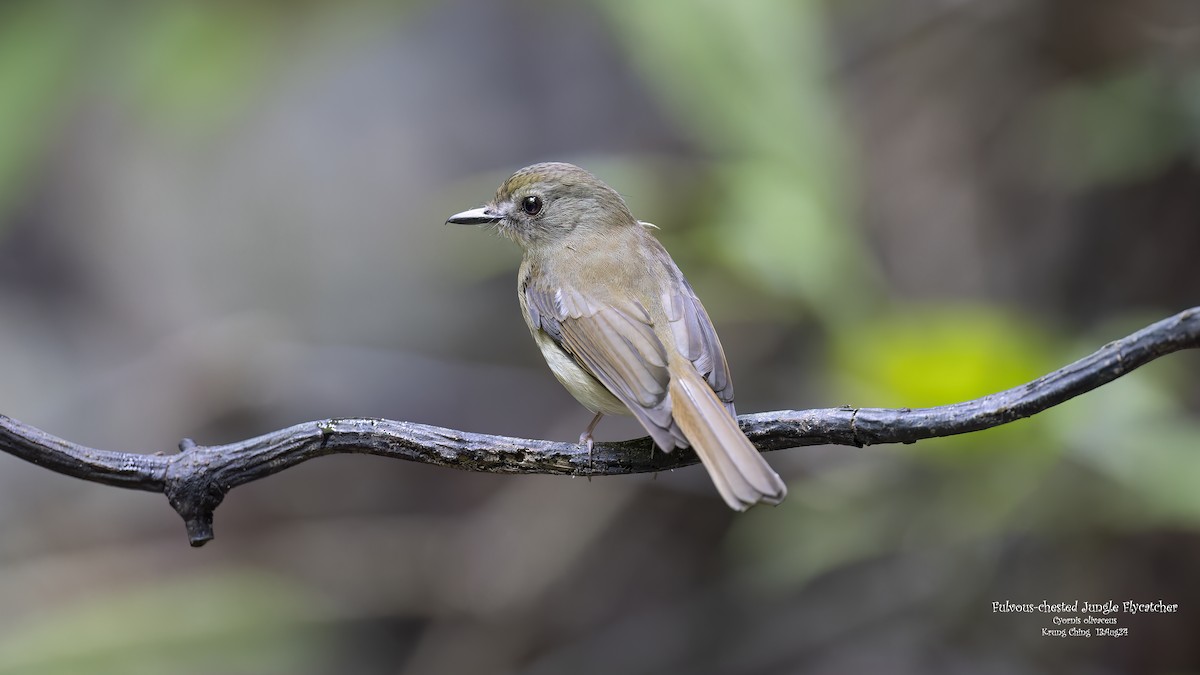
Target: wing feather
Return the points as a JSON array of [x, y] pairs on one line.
[[618, 346], [697, 340], [616, 343]]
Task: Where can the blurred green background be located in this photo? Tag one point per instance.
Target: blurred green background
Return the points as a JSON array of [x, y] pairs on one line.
[[222, 218]]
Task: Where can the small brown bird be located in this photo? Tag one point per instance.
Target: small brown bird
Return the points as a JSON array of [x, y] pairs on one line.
[[618, 324]]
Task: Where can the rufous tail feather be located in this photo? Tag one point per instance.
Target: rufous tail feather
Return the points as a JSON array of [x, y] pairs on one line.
[[740, 473]]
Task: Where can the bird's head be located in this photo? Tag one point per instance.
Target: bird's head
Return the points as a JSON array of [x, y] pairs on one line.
[[545, 203]]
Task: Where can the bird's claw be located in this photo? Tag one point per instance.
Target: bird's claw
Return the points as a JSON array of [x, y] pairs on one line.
[[585, 439]]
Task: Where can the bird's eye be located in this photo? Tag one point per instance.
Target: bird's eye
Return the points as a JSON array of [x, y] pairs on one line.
[[532, 205]]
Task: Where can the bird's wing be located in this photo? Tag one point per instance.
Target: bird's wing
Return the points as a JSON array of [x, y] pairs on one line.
[[696, 339], [616, 343]]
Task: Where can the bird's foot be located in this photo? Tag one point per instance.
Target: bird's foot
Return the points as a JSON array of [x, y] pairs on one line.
[[586, 439]]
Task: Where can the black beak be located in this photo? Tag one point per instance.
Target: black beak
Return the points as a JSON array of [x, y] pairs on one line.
[[479, 216]]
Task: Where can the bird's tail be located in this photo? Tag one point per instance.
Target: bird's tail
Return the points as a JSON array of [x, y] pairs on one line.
[[740, 473]]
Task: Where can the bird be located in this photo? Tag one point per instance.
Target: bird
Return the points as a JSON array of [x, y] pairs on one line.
[[619, 325]]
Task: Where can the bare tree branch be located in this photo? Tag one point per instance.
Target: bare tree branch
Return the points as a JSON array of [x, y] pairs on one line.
[[197, 479]]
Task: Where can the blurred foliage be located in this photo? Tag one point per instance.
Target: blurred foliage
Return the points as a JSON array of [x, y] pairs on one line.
[[1142, 437], [195, 64], [937, 354], [39, 45], [1120, 457], [938, 492], [941, 354], [749, 82], [237, 622], [1116, 128]]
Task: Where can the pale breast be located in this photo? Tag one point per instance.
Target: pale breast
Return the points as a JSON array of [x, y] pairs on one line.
[[585, 388]]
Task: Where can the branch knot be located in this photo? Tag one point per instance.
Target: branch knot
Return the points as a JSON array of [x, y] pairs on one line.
[[193, 491]]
